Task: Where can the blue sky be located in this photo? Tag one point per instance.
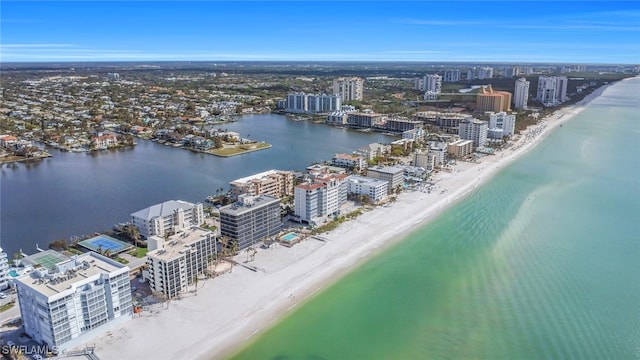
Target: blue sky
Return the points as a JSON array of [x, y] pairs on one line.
[[476, 31]]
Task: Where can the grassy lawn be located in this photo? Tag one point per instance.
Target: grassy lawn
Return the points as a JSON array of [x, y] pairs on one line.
[[239, 149], [6, 307], [139, 252], [121, 260]]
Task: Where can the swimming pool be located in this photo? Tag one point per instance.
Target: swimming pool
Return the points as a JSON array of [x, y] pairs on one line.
[[13, 273], [289, 237]]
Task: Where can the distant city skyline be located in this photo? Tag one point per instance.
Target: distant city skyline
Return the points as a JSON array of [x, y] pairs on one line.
[[476, 31]]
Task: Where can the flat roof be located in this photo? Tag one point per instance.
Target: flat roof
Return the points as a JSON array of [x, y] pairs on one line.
[[176, 244], [47, 259], [256, 202], [96, 264], [367, 180], [163, 209], [387, 169]]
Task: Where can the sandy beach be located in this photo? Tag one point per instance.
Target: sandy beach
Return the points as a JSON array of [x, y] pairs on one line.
[[228, 311]]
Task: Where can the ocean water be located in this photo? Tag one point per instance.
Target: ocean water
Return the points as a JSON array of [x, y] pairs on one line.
[[541, 262]]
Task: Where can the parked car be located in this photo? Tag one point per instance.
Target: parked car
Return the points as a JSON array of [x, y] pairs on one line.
[[3, 296]]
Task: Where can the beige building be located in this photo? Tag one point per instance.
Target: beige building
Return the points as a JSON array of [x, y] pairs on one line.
[[348, 88], [460, 149], [490, 100], [276, 183], [174, 264]]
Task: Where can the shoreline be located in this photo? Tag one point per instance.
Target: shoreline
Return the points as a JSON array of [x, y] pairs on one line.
[[226, 314]]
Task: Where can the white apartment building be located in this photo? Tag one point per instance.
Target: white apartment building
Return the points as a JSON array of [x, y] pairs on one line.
[[552, 90], [64, 302], [168, 217], [521, 94], [485, 73], [460, 149], [4, 270], [347, 89], [321, 198], [503, 121], [276, 183], [423, 159], [174, 264], [439, 151], [374, 188], [393, 175], [432, 86], [451, 76], [474, 130], [312, 103]]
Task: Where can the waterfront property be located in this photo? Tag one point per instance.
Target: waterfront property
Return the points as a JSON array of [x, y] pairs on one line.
[[502, 121], [347, 161], [460, 149], [393, 175], [276, 183], [312, 103], [174, 263], [321, 197], [64, 301], [552, 90], [348, 88], [168, 217], [102, 243], [374, 188], [474, 130], [251, 219]]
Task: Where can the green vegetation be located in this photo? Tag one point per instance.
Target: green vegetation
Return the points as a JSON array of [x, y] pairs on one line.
[[332, 225], [7, 306], [238, 149], [139, 252], [121, 260]]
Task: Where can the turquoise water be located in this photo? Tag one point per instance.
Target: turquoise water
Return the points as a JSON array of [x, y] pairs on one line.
[[542, 262], [289, 237]]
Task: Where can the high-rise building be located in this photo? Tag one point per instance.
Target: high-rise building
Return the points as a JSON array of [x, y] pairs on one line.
[[4, 270], [552, 90], [348, 88], [451, 76], [521, 94], [251, 219], [485, 73], [168, 217], [174, 263], [503, 121], [312, 103], [490, 100], [432, 86], [474, 130], [64, 301], [320, 198]]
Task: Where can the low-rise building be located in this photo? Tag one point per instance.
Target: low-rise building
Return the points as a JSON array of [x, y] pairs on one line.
[[372, 151], [393, 175], [374, 188], [168, 217], [65, 301], [460, 149], [251, 219], [174, 263], [347, 161], [276, 183]]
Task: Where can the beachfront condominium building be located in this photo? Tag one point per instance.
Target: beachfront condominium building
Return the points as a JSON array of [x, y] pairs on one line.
[[439, 150], [276, 183], [460, 149], [503, 121], [451, 76], [474, 130], [521, 94], [490, 100], [393, 175], [348, 161], [552, 90], [375, 189], [4, 270], [167, 218], [321, 197], [422, 158], [312, 103], [251, 219], [65, 301], [348, 88], [174, 263]]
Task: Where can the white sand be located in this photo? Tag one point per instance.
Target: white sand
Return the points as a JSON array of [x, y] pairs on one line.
[[230, 310]]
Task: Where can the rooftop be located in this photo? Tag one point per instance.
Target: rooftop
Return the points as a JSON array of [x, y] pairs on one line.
[[164, 209], [180, 243], [248, 204], [387, 169], [367, 180], [258, 176], [68, 273]]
